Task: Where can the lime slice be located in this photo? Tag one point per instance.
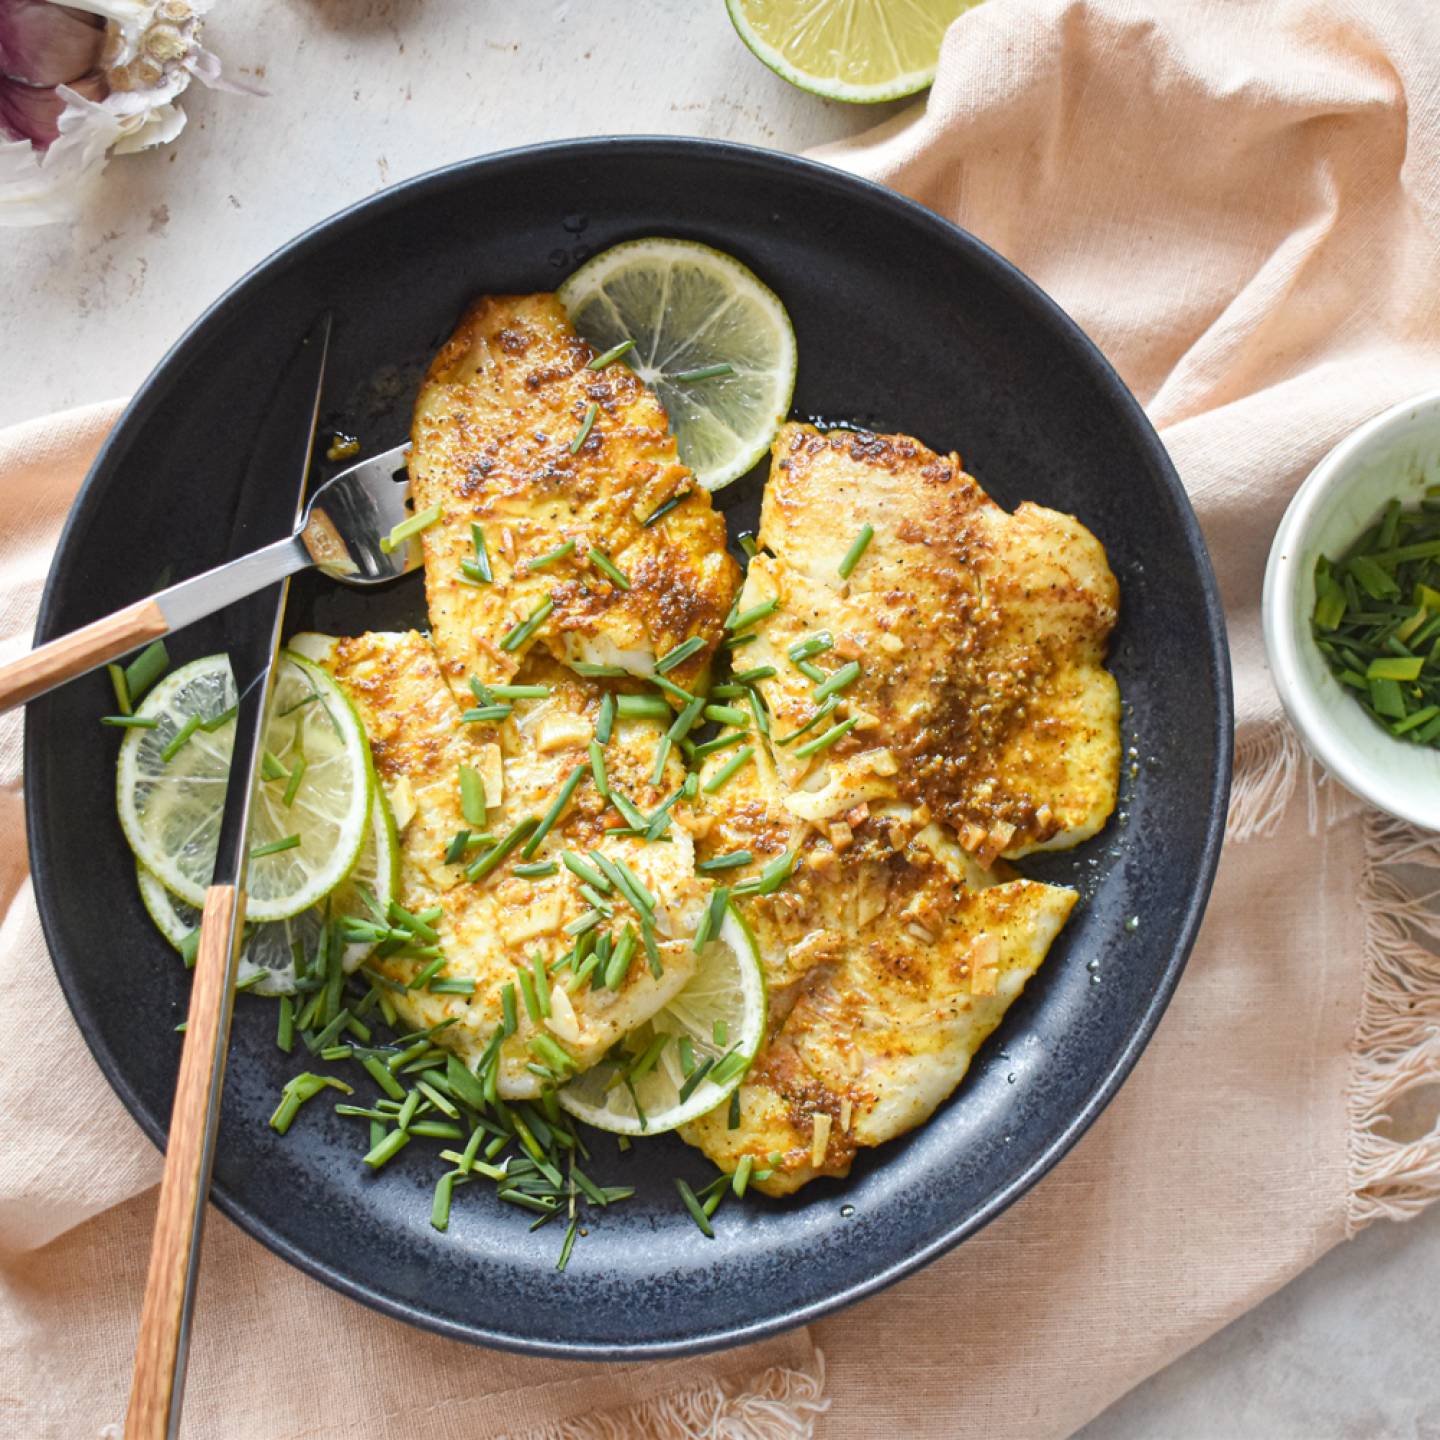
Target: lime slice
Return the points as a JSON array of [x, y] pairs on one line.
[[170, 809], [267, 959], [861, 50], [720, 1011], [688, 309]]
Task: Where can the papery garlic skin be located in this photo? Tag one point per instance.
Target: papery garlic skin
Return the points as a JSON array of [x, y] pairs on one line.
[[151, 49]]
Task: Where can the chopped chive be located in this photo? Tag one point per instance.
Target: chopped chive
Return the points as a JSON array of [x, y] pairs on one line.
[[598, 672], [472, 798], [642, 707], [597, 769], [215, 722], [857, 549], [811, 646], [811, 672], [652, 948], [661, 511], [691, 787], [680, 693], [739, 758], [181, 738], [705, 372], [122, 690], [828, 708], [145, 669], [519, 692], [823, 742], [618, 965], [727, 715], [711, 920], [696, 1076], [721, 742], [292, 786], [583, 923], [452, 985], [1390, 668], [605, 720], [554, 1056], [846, 675], [516, 637], [627, 810], [746, 618], [298, 1089], [777, 872], [693, 1206], [583, 434], [527, 993], [480, 868], [542, 984], [130, 722], [482, 555], [684, 722], [757, 708], [608, 568], [732, 1120], [758, 672], [547, 822], [577, 867], [486, 714], [541, 562], [423, 979], [440, 1206], [413, 526], [538, 871], [728, 692], [285, 1026], [741, 1178], [746, 540], [660, 820], [387, 1149], [290, 842], [731, 861], [609, 357], [662, 755], [679, 654]]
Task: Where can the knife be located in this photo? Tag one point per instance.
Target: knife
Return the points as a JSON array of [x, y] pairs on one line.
[[271, 501]]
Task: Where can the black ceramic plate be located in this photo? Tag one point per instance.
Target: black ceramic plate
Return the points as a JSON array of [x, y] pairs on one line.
[[904, 323]]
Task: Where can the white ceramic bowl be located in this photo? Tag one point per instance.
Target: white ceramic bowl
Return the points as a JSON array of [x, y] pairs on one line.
[[1395, 454]]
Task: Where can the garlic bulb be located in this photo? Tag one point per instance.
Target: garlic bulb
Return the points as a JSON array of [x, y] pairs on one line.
[[80, 80]]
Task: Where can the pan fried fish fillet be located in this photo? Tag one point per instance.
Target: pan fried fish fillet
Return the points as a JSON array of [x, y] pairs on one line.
[[495, 424], [890, 956], [490, 927], [980, 637]]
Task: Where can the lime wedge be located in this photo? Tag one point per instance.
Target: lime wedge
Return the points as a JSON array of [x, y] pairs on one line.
[[267, 959], [170, 794], [859, 50], [711, 339], [719, 1013]]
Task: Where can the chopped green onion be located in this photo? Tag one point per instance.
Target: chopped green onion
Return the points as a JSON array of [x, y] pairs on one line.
[[661, 511], [642, 707], [528, 994], [145, 669], [583, 434], [547, 823], [732, 861], [685, 721], [823, 742], [679, 654], [758, 710], [712, 919], [741, 757], [746, 540], [387, 1149], [577, 867], [727, 715], [846, 675], [515, 638], [519, 692], [721, 742], [811, 646], [131, 722], [455, 851], [507, 1006], [857, 549], [452, 985], [706, 372], [413, 526], [605, 721], [472, 797], [538, 871], [1390, 668], [290, 842], [693, 1206], [608, 568], [542, 983], [746, 618], [828, 708], [582, 923], [541, 562], [758, 672], [180, 739], [598, 672], [627, 810], [122, 690], [486, 714], [662, 755], [481, 563], [285, 1026], [741, 1178], [491, 858], [597, 769], [297, 1091], [609, 357]]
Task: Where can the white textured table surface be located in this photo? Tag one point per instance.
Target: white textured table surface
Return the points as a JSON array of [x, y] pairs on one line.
[[368, 92]]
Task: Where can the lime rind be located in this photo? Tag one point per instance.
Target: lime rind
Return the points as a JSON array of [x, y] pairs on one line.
[[170, 809], [728, 985], [688, 307], [905, 80]]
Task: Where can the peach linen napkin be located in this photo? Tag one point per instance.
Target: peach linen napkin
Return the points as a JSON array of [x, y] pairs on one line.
[[1240, 201]]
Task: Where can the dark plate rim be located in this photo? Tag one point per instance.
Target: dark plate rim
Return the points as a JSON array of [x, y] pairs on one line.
[[1082, 350]]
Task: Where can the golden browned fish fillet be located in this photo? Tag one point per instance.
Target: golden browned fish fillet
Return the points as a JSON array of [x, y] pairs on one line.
[[979, 638], [889, 956], [493, 927], [513, 433]]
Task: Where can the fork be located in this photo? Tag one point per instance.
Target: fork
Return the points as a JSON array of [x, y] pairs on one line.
[[346, 533]]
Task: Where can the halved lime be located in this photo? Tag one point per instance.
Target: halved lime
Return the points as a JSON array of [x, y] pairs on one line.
[[170, 808], [710, 337], [859, 50], [267, 958], [719, 1013]]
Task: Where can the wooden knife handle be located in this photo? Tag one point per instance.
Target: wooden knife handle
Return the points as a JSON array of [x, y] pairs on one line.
[[160, 1349], [50, 665]]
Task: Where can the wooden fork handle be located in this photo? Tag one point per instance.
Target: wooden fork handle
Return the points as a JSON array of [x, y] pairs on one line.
[[50, 665], [160, 1349]]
